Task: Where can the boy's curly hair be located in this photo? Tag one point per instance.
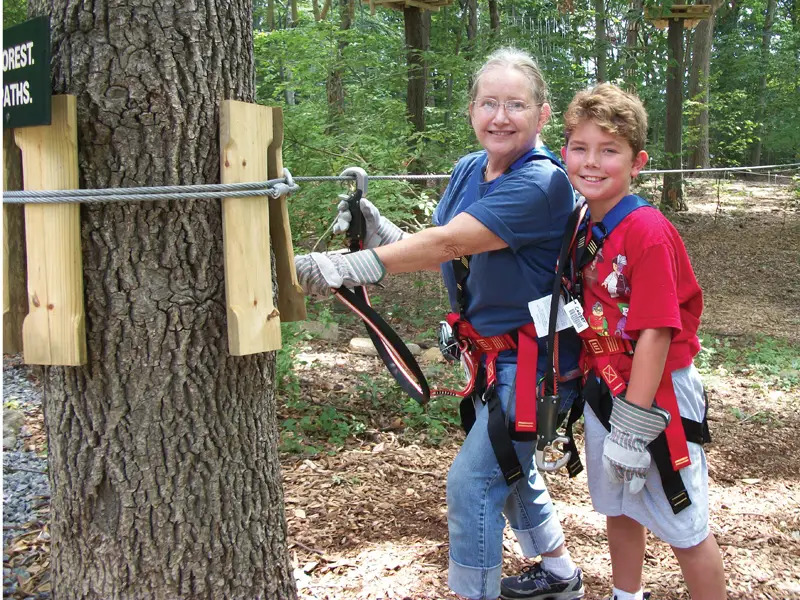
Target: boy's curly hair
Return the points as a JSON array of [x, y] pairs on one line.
[[613, 110]]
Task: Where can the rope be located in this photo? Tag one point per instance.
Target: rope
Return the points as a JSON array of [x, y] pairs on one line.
[[718, 169], [273, 188]]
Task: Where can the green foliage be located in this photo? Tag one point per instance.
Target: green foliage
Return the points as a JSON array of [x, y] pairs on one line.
[[287, 384], [734, 132], [767, 361], [14, 12], [438, 419]]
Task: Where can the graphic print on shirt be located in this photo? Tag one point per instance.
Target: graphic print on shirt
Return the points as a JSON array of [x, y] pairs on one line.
[[623, 320], [597, 320], [590, 273], [616, 283]]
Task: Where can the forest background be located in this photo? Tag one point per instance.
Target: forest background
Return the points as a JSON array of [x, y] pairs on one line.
[[387, 89]]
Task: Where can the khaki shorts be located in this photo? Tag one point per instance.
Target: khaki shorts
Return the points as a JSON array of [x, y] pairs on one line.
[[650, 506]]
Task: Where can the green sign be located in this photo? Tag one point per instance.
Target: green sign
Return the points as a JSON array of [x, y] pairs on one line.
[[26, 74]]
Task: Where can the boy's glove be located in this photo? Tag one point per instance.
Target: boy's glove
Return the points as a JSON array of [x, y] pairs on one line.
[[319, 273], [625, 455], [380, 230]]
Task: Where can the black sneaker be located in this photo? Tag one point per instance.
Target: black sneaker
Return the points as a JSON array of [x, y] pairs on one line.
[[535, 583]]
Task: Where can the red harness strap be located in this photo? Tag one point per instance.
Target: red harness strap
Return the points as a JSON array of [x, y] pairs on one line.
[[598, 357], [475, 346]]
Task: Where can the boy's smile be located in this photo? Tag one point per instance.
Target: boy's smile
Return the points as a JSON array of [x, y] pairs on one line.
[[600, 166]]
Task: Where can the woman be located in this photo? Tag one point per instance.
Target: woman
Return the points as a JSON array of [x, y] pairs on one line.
[[506, 208]]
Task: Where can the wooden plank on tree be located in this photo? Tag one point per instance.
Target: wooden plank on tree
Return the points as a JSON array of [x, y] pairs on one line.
[[291, 299], [690, 14], [432, 5], [54, 331], [253, 321]]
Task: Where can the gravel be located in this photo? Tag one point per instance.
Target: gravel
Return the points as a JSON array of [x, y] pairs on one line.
[[25, 483]]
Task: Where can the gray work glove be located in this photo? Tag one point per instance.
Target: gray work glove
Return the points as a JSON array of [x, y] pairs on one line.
[[319, 273], [380, 230], [625, 455]]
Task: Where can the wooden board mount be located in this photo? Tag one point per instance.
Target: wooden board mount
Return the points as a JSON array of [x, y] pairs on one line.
[[432, 5], [690, 14]]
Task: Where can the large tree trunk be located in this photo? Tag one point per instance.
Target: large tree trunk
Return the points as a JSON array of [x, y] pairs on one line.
[[417, 29], [672, 195], [698, 89], [761, 94], [162, 449], [494, 18], [600, 40]]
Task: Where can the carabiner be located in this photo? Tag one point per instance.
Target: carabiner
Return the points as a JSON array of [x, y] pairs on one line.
[[550, 466], [357, 232], [361, 178]]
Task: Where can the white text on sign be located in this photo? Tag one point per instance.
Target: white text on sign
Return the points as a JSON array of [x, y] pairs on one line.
[[18, 56]]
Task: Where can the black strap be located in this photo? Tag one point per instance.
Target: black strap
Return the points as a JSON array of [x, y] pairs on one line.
[[390, 347], [460, 272], [574, 465], [502, 436], [570, 232], [393, 352]]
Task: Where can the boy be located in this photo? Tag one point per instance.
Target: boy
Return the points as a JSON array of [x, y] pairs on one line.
[[642, 386]]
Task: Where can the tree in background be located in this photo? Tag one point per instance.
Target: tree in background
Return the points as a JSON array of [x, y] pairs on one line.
[[766, 38], [699, 90], [377, 134], [163, 455]]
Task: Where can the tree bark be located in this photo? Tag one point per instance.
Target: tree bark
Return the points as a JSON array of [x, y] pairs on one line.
[[163, 455], [761, 94], [334, 84], [494, 17], [699, 89], [634, 19], [14, 248], [672, 195], [417, 30], [472, 27], [600, 40]]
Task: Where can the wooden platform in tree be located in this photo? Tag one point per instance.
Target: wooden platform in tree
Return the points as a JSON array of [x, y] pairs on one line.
[[432, 5], [690, 14]]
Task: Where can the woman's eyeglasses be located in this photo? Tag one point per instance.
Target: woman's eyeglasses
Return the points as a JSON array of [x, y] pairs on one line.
[[490, 106]]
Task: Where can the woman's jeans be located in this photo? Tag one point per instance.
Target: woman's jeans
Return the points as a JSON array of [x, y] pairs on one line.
[[478, 497]]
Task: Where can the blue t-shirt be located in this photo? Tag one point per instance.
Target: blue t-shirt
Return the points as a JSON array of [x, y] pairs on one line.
[[528, 209]]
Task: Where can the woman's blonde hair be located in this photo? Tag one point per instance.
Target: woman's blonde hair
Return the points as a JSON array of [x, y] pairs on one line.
[[514, 59]]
